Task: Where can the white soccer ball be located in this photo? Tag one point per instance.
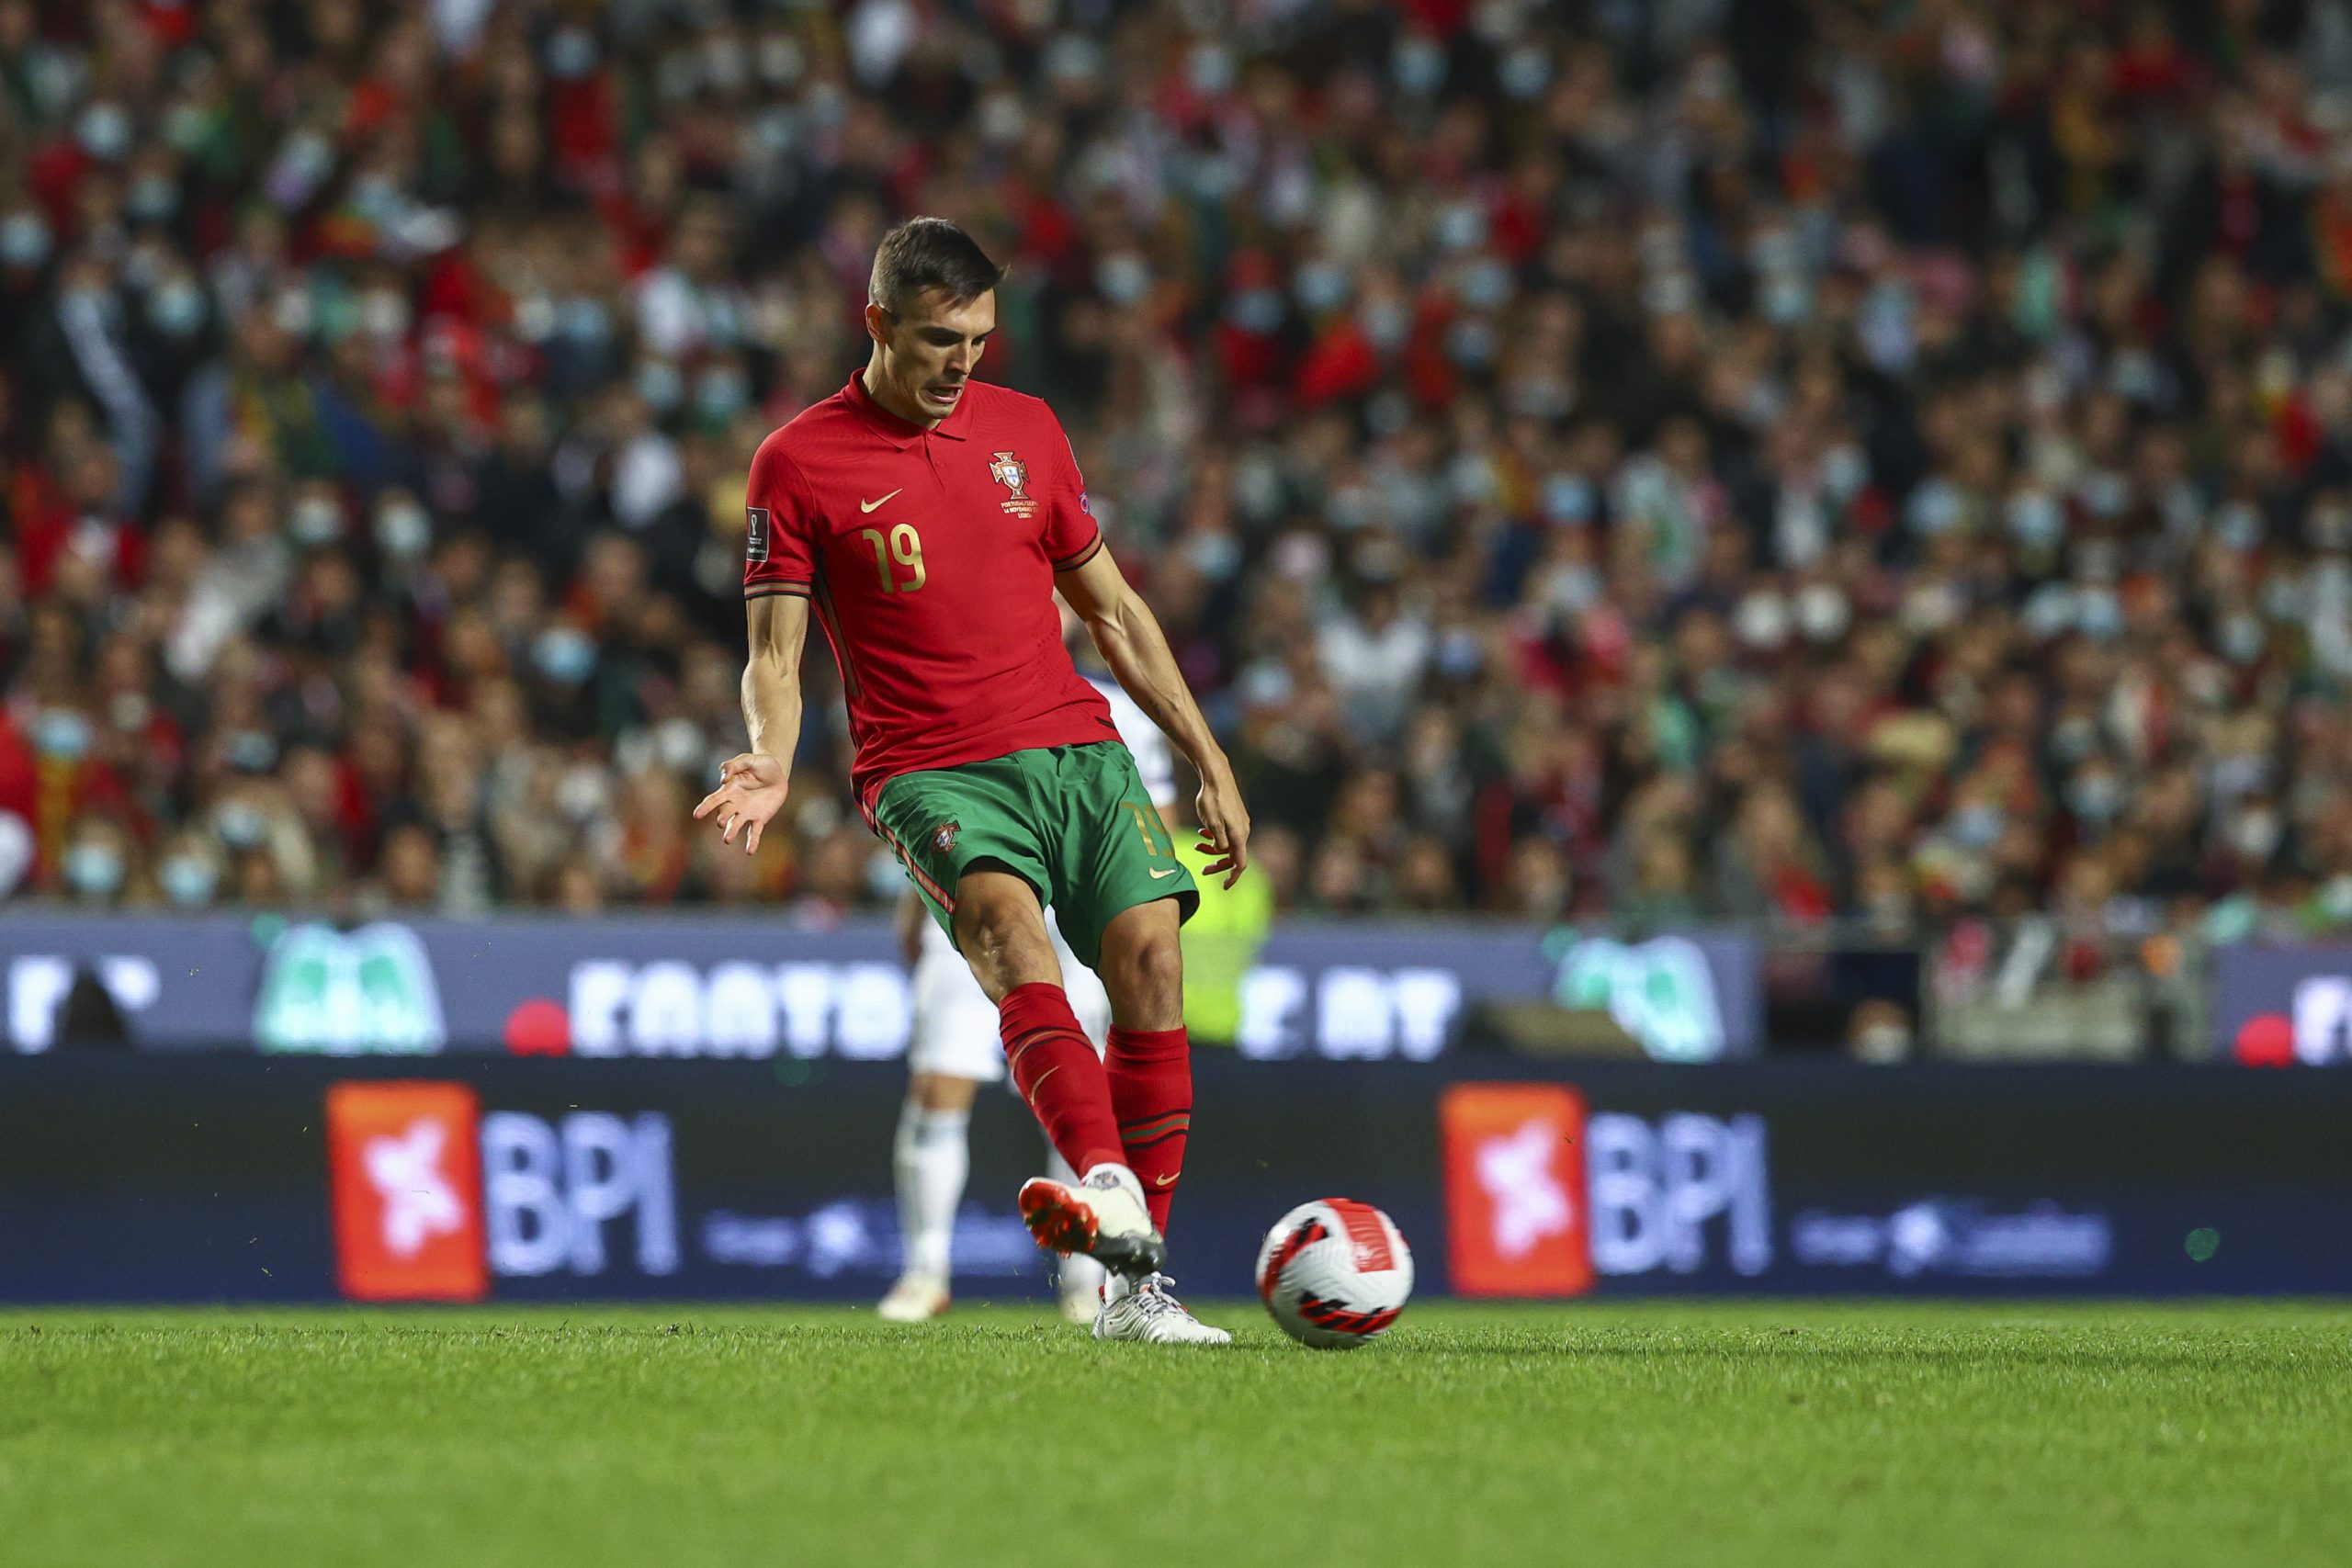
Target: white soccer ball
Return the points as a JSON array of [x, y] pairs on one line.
[[1335, 1273]]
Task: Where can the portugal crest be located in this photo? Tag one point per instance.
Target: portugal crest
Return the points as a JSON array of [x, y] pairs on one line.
[[943, 838], [1013, 475]]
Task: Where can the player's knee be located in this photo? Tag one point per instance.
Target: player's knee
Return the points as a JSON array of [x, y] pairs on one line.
[[1153, 972], [1004, 945]]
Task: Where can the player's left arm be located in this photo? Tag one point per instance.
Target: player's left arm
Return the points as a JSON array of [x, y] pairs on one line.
[[1134, 647]]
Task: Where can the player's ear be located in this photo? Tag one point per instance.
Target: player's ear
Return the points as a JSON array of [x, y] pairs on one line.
[[878, 323]]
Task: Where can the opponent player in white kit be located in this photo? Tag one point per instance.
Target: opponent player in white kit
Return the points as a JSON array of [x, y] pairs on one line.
[[956, 1049]]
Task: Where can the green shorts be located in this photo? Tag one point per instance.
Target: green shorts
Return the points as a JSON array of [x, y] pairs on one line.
[[1071, 821]]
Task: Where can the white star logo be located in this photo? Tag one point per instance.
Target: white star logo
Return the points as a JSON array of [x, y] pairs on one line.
[[419, 1202], [1529, 1201]]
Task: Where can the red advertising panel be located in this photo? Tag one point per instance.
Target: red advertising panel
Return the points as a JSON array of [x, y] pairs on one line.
[[1514, 1190], [406, 1166]]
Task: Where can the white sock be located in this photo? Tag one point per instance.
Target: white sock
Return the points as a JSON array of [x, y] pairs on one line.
[[1081, 1275], [932, 1159]]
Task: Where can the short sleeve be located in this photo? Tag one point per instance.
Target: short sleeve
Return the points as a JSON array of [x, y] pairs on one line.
[[1071, 536], [778, 556]]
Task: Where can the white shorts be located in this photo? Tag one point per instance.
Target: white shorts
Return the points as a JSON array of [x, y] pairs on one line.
[[955, 1025]]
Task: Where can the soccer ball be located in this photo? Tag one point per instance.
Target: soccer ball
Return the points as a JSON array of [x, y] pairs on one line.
[[1335, 1273]]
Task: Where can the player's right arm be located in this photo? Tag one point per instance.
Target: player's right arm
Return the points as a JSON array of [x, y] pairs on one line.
[[752, 785], [779, 571]]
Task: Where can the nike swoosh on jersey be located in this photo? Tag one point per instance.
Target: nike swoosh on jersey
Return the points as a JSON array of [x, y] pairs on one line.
[[870, 505], [1164, 1181], [1169, 872]]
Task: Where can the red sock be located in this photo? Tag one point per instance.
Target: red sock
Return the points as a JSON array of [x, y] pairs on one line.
[[1055, 1069], [1152, 1090]]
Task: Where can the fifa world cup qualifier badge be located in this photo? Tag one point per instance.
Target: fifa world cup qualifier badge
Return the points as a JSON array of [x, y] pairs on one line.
[[1013, 475], [755, 534]]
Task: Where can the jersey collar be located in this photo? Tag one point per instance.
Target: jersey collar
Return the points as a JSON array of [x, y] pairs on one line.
[[899, 432]]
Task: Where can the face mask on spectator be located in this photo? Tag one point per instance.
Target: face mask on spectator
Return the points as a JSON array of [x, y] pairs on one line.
[[1417, 65], [94, 871], [1822, 612], [105, 132], [1470, 344], [2097, 614], [780, 59], [1211, 69], [1762, 621], [316, 519], [1461, 225], [1214, 556], [63, 734], [659, 383], [2328, 527], [1460, 654], [384, 313], [1256, 310], [2094, 798], [2242, 638], [130, 711], [1386, 322], [1526, 71], [572, 53], [564, 655], [1485, 285], [1567, 499], [152, 198], [1784, 299], [721, 391], [1122, 277], [2238, 526], [2255, 833], [239, 824], [403, 529], [1321, 286], [586, 321], [188, 881], [250, 751], [883, 877], [24, 240], [2036, 520], [175, 307], [1844, 472]]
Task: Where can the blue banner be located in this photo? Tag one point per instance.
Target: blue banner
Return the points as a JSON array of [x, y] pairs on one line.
[[129, 1177], [762, 987]]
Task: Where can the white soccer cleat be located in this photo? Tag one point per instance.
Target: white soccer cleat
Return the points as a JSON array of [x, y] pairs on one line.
[[916, 1298], [1103, 1216], [1148, 1311]]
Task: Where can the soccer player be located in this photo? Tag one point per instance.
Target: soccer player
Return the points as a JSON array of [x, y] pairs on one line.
[[954, 1050], [928, 518]]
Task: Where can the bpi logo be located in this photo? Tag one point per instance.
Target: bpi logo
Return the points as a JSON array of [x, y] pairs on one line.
[[1540, 1195], [407, 1180], [414, 1219], [1514, 1190]]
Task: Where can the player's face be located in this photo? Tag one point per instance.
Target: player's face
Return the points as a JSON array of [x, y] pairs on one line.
[[929, 352]]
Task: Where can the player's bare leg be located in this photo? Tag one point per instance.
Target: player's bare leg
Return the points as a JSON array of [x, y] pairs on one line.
[[1000, 927], [1149, 1068], [930, 1160]]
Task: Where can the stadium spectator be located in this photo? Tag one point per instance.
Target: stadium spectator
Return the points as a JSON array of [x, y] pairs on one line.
[[1765, 462]]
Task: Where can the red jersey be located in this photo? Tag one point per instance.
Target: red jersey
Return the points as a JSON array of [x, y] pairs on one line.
[[929, 556]]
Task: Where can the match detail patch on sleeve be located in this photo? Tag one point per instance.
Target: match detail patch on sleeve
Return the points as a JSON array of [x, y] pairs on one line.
[[755, 535]]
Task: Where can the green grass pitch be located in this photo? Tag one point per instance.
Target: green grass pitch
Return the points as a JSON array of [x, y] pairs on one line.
[[1599, 1433]]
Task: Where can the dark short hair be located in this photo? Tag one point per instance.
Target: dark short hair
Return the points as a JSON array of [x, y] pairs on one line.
[[930, 252]]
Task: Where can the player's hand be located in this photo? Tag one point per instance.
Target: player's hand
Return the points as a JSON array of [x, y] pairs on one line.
[[1225, 826], [751, 787]]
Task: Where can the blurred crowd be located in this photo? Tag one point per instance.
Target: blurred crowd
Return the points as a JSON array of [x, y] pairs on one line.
[[1783, 460]]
